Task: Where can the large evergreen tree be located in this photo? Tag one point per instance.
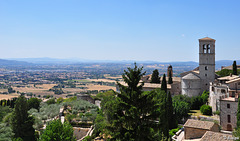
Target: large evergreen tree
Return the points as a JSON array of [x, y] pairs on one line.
[[137, 111], [22, 123], [234, 67], [155, 77], [164, 83]]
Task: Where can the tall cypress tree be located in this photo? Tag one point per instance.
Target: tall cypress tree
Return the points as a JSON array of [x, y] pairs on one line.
[[155, 77], [137, 111], [170, 78], [170, 116], [22, 123], [164, 84], [234, 67]]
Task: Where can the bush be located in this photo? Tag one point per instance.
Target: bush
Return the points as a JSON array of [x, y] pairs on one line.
[[216, 112], [206, 110], [51, 101]]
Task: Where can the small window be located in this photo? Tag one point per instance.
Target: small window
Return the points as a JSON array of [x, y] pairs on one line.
[[223, 91], [205, 74], [229, 118], [208, 48], [228, 105], [206, 68], [206, 84]]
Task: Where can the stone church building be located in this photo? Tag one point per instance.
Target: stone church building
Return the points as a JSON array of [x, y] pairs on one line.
[[195, 82]]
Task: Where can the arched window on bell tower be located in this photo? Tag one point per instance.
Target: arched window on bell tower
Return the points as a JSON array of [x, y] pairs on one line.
[[204, 49], [208, 48]]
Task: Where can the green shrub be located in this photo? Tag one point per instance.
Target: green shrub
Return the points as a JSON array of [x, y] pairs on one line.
[[216, 112], [206, 110], [51, 101]]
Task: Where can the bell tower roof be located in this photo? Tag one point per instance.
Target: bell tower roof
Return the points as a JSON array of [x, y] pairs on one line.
[[206, 39]]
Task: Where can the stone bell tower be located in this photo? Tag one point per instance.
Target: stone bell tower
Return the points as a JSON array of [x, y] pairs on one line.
[[206, 62]]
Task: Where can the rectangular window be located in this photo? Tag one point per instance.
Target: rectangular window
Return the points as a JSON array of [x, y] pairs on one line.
[[229, 118], [228, 105], [206, 68]]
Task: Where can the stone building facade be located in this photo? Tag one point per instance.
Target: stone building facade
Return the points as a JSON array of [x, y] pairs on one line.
[[191, 85], [228, 113], [223, 87], [206, 71]]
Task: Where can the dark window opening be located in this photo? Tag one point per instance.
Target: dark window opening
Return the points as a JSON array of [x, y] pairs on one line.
[[223, 91], [208, 48], [228, 105], [206, 68], [229, 118], [204, 49]]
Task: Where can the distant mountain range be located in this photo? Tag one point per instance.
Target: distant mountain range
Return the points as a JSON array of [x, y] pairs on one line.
[[32, 61], [4, 62]]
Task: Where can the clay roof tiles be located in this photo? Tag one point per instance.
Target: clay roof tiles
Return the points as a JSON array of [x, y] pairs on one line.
[[199, 124]]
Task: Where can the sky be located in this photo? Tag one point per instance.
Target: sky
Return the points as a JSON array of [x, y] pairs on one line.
[[153, 30]]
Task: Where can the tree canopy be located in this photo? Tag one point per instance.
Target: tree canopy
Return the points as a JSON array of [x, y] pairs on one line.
[[22, 123], [56, 131], [155, 77], [34, 103], [137, 111]]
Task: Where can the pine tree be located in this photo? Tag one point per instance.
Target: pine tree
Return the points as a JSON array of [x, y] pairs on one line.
[[164, 83], [137, 111], [22, 123], [234, 67], [155, 77]]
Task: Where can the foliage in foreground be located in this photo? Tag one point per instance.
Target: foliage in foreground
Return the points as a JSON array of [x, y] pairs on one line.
[[22, 123], [56, 131], [133, 114], [5, 132]]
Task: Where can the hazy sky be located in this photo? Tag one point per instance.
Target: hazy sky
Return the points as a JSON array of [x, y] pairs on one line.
[[165, 30]]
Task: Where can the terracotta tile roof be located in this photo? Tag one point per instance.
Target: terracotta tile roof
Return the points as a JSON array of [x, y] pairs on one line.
[[206, 39], [199, 124], [230, 99], [216, 136], [228, 77], [230, 67], [191, 76], [234, 80], [148, 85]]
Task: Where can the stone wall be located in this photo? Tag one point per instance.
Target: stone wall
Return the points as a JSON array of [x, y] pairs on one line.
[[224, 112], [193, 133]]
